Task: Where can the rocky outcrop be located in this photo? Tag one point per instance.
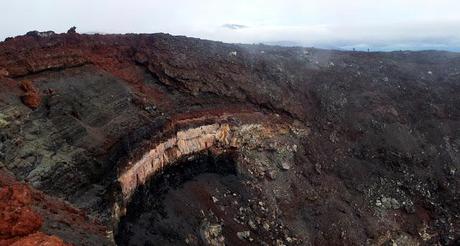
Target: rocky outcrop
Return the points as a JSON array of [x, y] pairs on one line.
[[18, 218], [218, 136], [184, 143], [19, 223], [3, 72], [27, 216], [31, 97]]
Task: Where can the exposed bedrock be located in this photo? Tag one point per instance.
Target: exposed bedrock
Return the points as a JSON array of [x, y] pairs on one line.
[[185, 142], [328, 147], [217, 136]]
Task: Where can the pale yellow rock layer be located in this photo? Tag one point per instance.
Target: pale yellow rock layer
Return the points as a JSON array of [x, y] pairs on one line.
[[184, 142]]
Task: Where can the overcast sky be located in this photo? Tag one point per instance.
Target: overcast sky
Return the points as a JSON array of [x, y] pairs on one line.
[[361, 24]]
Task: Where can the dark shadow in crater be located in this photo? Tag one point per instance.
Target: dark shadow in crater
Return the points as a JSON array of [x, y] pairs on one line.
[[171, 206]]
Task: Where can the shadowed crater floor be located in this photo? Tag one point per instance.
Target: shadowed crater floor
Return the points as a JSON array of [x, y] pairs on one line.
[[178, 205]]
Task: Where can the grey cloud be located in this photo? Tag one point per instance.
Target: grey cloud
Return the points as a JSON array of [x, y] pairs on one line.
[[234, 26]]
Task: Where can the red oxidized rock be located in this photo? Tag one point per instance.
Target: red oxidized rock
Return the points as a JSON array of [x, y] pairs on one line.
[[19, 223], [3, 72], [31, 97], [16, 217], [22, 209], [38, 239]]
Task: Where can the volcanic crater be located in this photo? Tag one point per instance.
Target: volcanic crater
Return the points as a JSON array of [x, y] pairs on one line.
[[153, 139]]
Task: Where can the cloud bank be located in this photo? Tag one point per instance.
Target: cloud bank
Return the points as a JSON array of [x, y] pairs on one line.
[[359, 24]]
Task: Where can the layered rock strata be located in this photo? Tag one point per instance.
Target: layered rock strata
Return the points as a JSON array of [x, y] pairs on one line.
[[185, 142]]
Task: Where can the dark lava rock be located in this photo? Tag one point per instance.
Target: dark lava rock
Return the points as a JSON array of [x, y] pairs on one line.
[[328, 147]]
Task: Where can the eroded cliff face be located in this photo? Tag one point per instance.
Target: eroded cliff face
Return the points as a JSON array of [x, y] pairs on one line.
[[327, 147], [184, 143]]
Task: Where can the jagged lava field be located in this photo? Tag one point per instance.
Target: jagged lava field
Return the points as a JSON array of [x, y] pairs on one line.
[[153, 139]]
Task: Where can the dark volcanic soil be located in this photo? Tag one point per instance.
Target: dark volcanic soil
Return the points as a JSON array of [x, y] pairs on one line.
[[172, 140]]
